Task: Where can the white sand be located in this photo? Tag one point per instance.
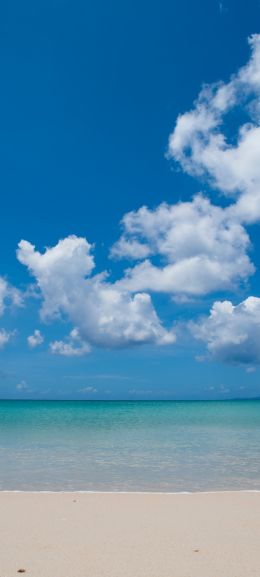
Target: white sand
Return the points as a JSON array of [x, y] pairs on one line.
[[130, 535]]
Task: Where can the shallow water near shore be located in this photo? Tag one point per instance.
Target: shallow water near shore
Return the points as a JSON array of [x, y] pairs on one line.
[[166, 446]]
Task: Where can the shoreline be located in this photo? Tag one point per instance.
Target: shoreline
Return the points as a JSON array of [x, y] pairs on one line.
[[126, 534], [83, 492]]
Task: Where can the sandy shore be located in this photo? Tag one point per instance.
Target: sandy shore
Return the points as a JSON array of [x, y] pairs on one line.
[[130, 535]]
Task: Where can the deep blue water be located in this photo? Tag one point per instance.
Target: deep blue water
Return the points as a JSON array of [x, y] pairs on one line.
[[149, 446]]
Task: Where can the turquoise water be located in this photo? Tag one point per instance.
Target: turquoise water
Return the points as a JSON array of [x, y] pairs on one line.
[[135, 446]]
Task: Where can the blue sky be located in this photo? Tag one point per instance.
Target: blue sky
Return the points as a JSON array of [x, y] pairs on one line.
[[91, 94]]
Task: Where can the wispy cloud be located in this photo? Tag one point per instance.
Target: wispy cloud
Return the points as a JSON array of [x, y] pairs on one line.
[[22, 386], [5, 337], [88, 390]]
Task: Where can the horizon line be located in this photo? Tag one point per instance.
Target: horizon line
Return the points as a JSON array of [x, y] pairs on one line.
[[256, 398]]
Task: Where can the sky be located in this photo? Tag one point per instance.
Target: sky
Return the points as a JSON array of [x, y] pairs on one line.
[[130, 192]]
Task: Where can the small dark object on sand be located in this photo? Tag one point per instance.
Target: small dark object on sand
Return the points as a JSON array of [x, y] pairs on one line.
[[21, 571], [74, 500], [196, 550]]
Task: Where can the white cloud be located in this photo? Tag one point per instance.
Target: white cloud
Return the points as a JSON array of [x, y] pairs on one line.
[[58, 269], [5, 337], [130, 247], [204, 248], [232, 333], [201, 146], [72, 347], [9, 295], [68, 349], [105, 315], [35, 339]]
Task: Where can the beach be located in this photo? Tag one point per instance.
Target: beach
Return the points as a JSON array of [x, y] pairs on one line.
[[126, 489], [130, 534]]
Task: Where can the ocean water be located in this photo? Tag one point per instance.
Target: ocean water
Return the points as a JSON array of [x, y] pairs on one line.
[[129, 446]]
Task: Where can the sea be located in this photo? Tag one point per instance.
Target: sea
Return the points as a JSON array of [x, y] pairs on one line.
[[154, 446]]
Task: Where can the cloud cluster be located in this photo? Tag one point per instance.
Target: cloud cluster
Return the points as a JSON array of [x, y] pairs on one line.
[[202, 148], [202, 247], [186, 249], [105, 315], [232, 333]]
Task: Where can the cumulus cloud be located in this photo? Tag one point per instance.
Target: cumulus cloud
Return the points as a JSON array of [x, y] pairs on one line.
[[57, 270], [105, 315], [199, 142], [232, 333], [9, 295], [202, 246], [35, 339]]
